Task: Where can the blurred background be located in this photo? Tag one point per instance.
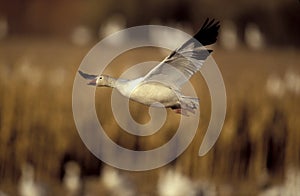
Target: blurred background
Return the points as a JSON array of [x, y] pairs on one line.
[[42, 44]]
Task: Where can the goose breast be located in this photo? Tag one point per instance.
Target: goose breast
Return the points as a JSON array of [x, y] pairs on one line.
[[149, 93]]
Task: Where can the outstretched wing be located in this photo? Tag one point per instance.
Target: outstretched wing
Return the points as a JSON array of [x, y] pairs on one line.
[[87, 76], [181, 64]]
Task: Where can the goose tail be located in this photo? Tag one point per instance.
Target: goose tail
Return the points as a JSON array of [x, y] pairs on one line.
[[187, 104]]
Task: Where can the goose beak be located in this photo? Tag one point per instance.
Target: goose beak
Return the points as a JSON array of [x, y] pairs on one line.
[[93, 82]]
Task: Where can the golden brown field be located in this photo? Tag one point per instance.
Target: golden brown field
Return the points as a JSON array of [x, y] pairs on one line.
[[259, 143]]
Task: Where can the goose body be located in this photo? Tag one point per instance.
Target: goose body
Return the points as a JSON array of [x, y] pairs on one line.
[[163, 83], [153, 92]]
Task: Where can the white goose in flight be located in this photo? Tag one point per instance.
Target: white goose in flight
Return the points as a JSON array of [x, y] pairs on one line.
[[163, 83]]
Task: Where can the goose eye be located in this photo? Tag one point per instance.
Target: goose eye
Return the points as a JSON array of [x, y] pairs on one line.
[[100, 78]]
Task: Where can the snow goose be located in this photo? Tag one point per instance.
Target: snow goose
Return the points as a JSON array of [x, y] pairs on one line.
[[163, 83], [174, 183], [72, 180], [28, 186], [116, 183]]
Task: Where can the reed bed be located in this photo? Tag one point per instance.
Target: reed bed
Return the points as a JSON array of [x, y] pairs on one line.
[[259, 142]]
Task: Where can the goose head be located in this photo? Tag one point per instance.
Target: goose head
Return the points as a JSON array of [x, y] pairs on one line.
[[103, 80]]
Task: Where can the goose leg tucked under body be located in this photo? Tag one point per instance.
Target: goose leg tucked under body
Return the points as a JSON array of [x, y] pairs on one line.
[[152, 93], [163, 83]]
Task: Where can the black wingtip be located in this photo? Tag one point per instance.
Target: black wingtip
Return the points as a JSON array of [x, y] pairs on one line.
[[86, 76], [209, 32], [80, 72]]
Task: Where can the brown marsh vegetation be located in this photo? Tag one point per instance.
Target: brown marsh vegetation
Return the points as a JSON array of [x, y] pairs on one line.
[[259, 142]]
